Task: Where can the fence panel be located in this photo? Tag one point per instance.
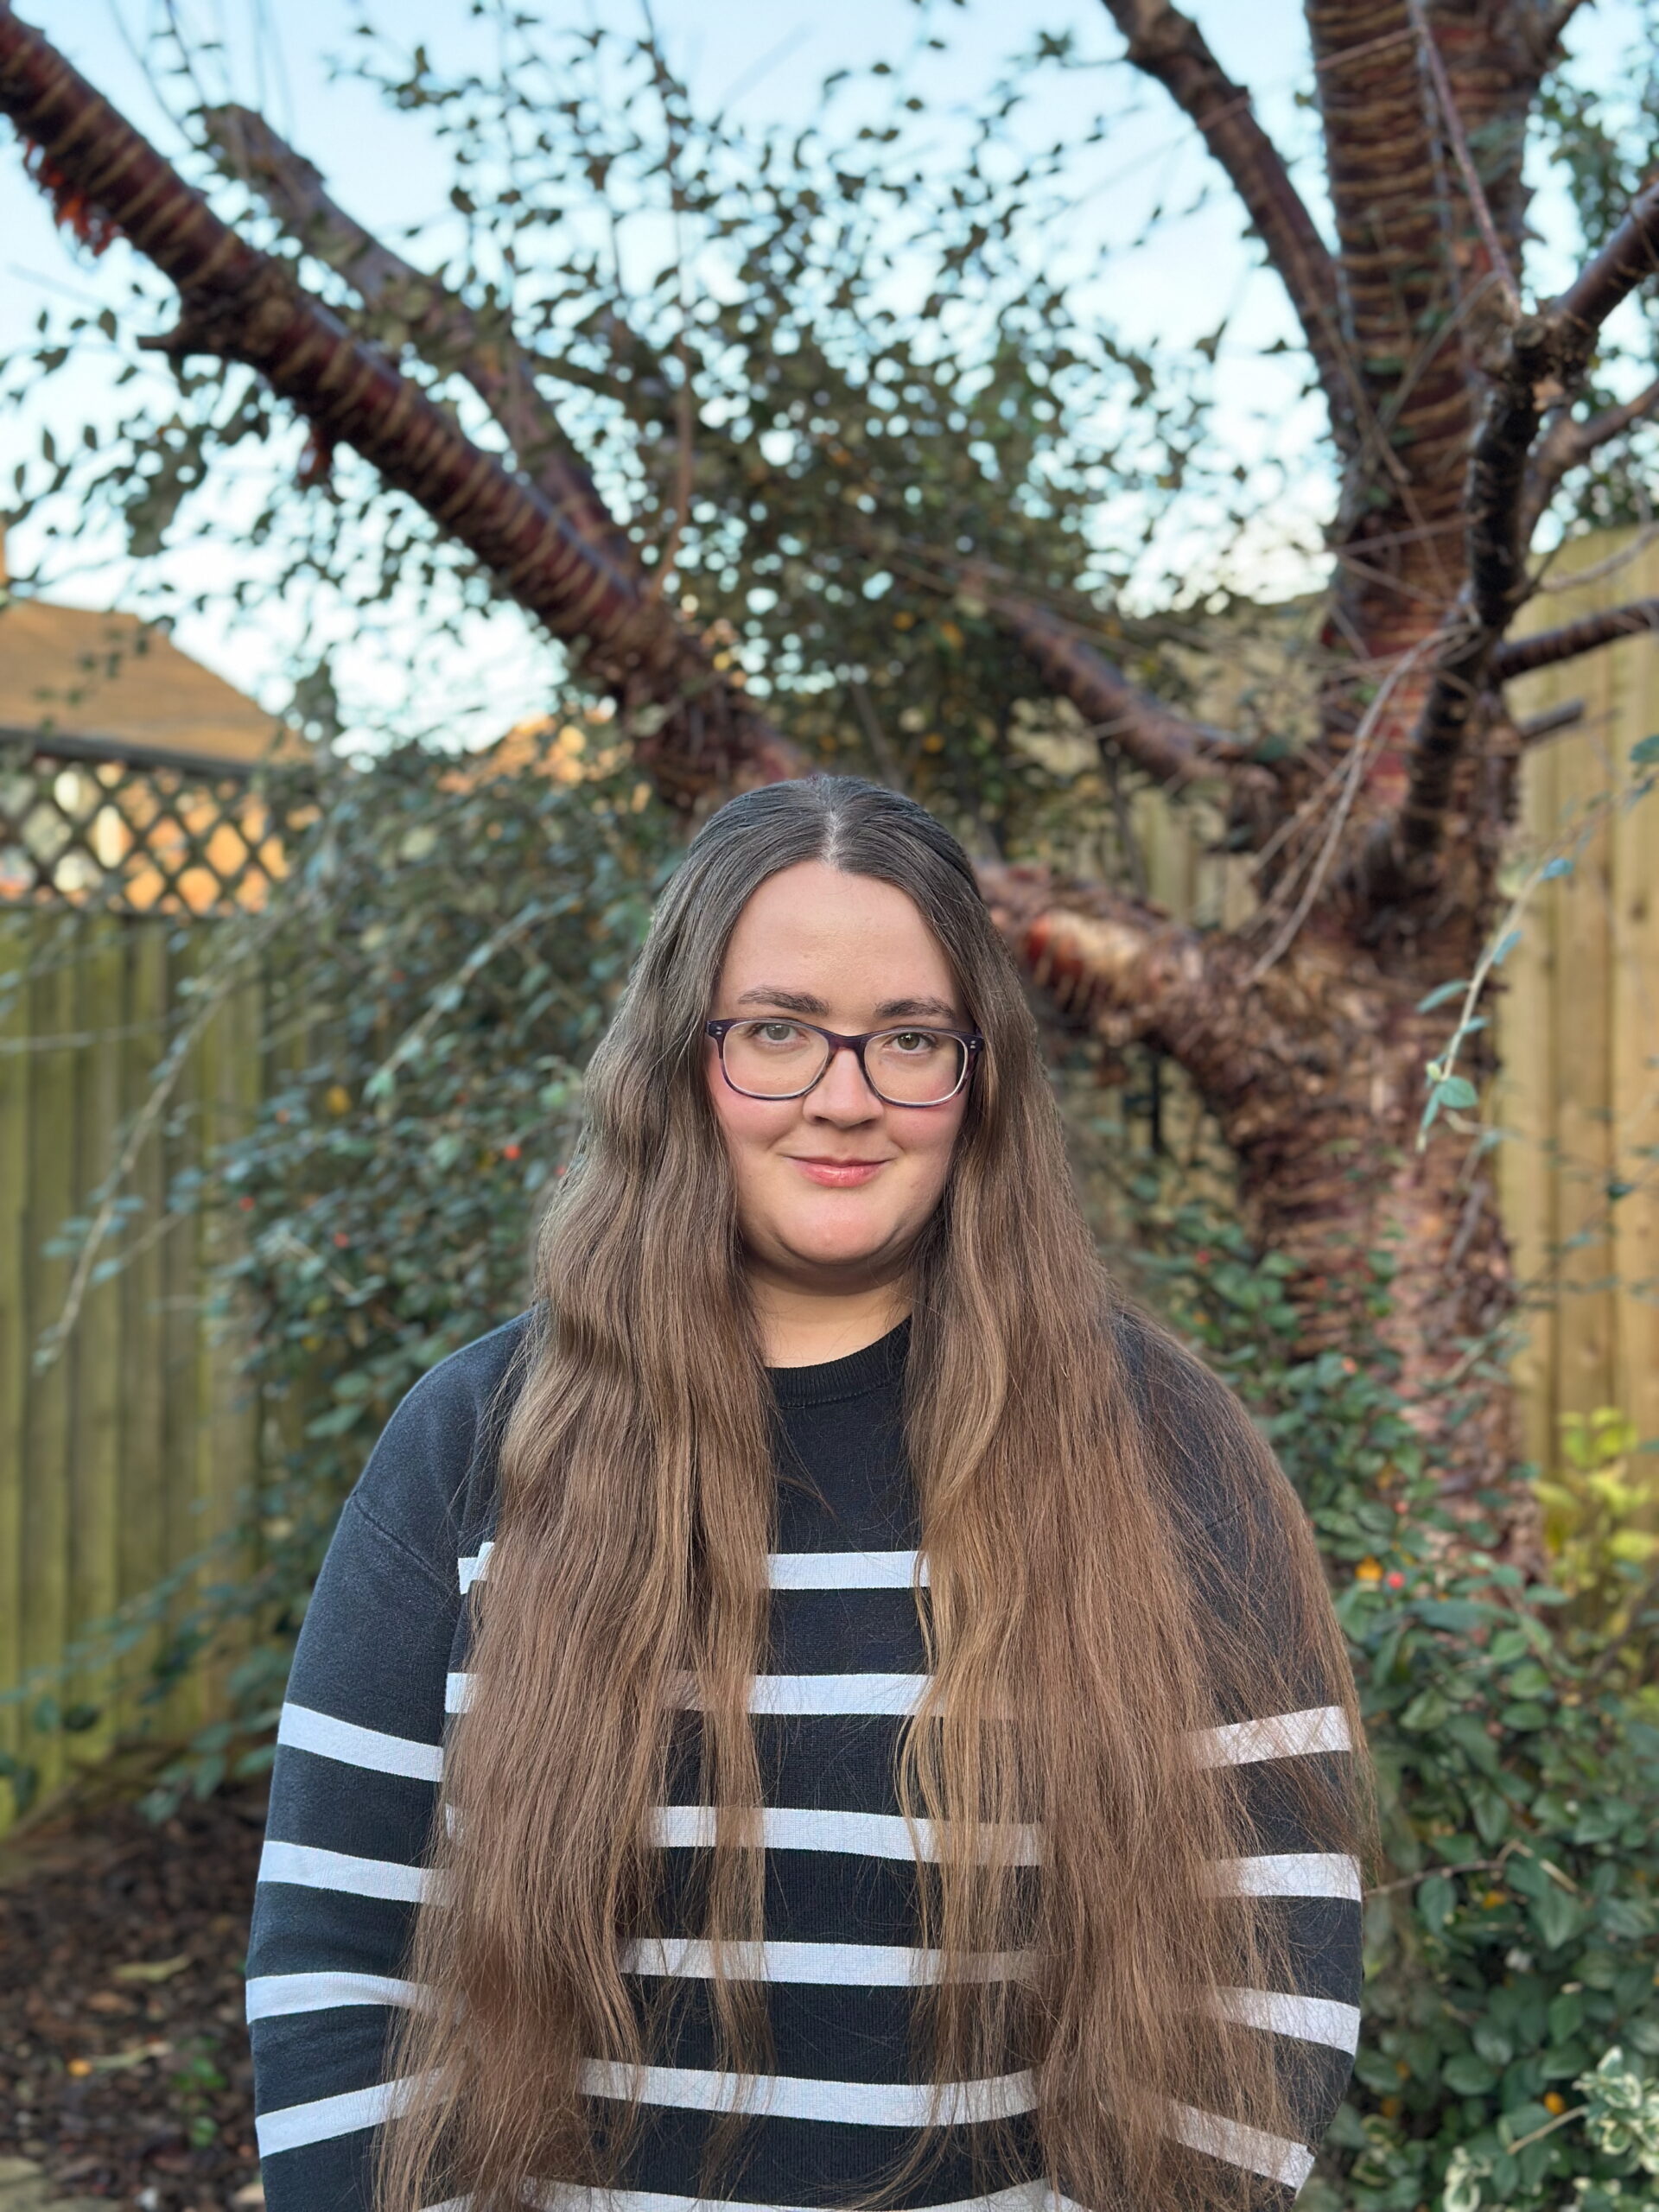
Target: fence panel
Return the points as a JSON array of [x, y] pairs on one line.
[[1578, 1025], [130, 1452]]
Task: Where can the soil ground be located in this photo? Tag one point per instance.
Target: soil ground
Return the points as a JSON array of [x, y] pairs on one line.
[[123, 2060]]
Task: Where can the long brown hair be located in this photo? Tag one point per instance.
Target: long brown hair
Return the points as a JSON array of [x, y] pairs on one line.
[[1073, 1467]]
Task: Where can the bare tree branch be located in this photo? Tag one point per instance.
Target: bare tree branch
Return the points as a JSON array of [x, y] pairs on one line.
[[1566, 445], [1107, 963], [441, 327], [1169, 46], [1553, 720], [1519, 655], [698, 732], [1167, 745], [1542, 365], [1126, 972]]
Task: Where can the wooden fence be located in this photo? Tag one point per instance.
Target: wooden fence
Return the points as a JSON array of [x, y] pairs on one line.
[[128, 1457], [1579, 1024]]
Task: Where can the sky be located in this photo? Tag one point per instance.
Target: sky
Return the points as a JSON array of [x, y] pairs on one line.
[[764, 64]]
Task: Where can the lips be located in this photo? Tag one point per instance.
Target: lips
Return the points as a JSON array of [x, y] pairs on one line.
[[838, 1174]]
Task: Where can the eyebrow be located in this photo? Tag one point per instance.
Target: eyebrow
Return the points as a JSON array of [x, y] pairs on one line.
[[889, 1009]]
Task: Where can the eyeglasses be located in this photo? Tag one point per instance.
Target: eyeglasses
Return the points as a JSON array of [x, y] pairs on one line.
[[780, 1057]]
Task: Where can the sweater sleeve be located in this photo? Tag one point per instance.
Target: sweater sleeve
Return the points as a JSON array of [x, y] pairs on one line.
[[1289, 1756], [353, 1792], [1293, 1773]]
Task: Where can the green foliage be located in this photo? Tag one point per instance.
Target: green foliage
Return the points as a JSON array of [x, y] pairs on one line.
[[1593, 1512]]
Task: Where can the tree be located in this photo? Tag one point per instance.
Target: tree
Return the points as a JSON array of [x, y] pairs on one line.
[[1454, 413]]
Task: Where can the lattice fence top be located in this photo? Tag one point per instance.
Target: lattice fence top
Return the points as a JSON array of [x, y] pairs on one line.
[[105, 829]]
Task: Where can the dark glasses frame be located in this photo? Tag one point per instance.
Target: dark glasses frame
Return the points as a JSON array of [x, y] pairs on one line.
[[972, 1043]]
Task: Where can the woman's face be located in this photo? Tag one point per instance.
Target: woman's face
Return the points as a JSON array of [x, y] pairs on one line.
[[833, 1188]]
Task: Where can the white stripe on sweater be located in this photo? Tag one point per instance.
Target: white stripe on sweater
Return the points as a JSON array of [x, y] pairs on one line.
[[866, 1836], [785, 1570], [309, 1867], [570, 2197], [1258, 2153], [784, 2096], [794, 1695], [856, 1966], [1283, 1736], [1311, 2019], [843, 1570], [1289, 1874], [278, 1996], [292, 2127], [473, 1567], [305, 1729]]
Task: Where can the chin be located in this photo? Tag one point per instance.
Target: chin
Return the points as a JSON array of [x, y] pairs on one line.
[[839, 1245]]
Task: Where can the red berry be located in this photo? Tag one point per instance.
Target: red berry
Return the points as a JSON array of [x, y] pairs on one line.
[[341, 1239], [510, 1152], [1396, 1580]]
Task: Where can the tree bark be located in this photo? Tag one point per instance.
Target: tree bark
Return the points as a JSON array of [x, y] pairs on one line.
[[1314, 1075]]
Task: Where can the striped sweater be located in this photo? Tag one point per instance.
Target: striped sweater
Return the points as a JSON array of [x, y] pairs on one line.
[[381, 1668]]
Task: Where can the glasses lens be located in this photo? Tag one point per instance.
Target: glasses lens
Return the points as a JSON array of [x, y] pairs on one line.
[[915, 1067], [773, 1059]]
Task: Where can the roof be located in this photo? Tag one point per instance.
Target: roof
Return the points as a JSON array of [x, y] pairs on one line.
[[112, 684]]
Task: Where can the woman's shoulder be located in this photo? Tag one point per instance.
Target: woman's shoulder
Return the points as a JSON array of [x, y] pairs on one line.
[[1214, 1458], [429, 1483]]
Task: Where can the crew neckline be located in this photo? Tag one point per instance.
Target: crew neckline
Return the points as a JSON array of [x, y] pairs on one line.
[[872, 1367]]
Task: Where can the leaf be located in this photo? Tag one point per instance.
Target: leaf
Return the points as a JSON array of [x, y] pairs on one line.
[[1435, 1900], [1644, 753], [1441, 993], [1504, 947], [151, 1970], [1456, 1091], [1428, 1709], [1556, 1916], [1469, 2075]]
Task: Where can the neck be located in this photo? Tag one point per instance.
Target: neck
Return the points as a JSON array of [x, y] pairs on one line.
[[804, 1328]]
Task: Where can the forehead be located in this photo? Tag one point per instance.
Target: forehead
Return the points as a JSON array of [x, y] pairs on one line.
[[846, 937]]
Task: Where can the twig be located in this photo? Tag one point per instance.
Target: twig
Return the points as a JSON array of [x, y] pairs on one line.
[[1453, 125], [1501, 939], [1549, 2128], [1609, 565], [1357, 754], [1463, 1866], [442, 1001], [1536, 727]]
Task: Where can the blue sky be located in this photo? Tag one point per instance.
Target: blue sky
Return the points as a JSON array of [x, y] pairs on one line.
[[767, 64]]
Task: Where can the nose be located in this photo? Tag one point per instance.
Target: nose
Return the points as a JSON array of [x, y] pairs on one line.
[[841, 1095]]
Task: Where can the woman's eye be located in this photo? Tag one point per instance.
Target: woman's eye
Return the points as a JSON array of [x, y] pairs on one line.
[[774, 1032], [913, 1040]]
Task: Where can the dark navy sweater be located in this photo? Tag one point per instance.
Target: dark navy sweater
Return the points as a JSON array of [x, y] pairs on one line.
[[379, 1675]]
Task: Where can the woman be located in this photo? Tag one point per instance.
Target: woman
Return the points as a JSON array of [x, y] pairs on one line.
[[907, 1753]]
